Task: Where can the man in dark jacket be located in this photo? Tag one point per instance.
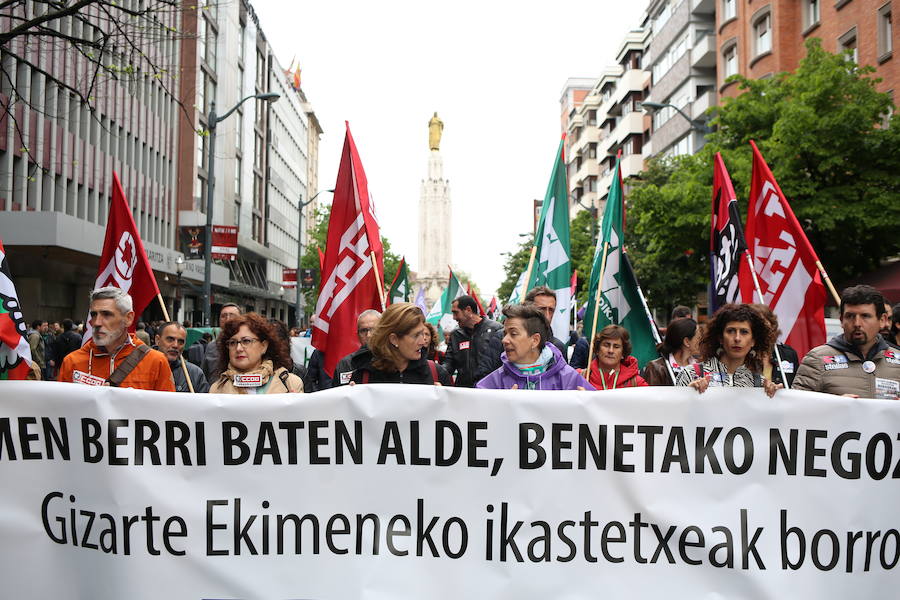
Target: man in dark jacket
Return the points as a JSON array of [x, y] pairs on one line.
[[170, 341], [475, 347], [68, 341], [365, 323]]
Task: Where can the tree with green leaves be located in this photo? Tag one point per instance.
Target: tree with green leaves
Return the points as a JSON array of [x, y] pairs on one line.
[[318, 235], [823, 130], [516, 262]]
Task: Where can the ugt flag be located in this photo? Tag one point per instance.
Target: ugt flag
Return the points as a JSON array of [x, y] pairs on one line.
[[15, 353], [552, 265], [353, 253], [619, 302], [727, 247], [440, 315], [784, 261], [123, 263], [399, 290]]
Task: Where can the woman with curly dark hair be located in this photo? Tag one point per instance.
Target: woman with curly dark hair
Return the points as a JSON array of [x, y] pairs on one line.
[[253, 359], [732, 350]]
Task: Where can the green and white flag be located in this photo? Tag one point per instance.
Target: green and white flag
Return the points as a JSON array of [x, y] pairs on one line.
[[441, 315], [399, 291], [620, 303], [552, 264]]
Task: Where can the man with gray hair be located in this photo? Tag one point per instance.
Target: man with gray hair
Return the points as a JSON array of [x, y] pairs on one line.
[[170, 341], [113, 356], [365, 323]]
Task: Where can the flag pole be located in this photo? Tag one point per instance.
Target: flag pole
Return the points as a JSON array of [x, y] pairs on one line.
[[653, 325], [165, 311], [824, 273], [378, 281], [590, 338], [761, 301], [528, 272]]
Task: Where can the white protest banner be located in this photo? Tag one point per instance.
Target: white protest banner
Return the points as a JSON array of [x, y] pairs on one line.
[[410, 492]]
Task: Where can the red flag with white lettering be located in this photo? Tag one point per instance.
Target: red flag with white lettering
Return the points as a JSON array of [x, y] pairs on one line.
[[123, 263], [348, 284], [784, 261]]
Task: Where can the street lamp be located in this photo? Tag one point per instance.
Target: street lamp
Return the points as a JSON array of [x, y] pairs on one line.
[[300, 207], [696, 125], [179, 269], [211, 122]]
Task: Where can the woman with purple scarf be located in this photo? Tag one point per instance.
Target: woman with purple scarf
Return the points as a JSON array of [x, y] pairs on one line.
[[529, 361]]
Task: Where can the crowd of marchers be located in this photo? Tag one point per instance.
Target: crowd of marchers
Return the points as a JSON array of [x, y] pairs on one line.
[[736, 347]]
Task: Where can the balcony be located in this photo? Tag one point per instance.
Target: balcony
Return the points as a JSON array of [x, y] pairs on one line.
[[703, 54], [702, 104]]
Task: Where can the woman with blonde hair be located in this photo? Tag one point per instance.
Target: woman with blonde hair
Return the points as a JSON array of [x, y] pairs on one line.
[[253, 359], [394, 352]]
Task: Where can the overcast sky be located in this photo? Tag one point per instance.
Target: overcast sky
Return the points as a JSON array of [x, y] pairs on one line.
[[494, 72]]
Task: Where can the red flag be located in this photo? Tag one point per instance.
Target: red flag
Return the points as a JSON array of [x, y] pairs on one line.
[[784, 261], [727, 248], [574, 282], [471, 292], [321, 259], [124, 263], [492, 307], [15, 353], [348, 283]]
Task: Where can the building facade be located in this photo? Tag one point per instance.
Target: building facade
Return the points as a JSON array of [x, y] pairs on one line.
[[682, 60], [63, 133], [64, 130], [760, 38], [607, 120]]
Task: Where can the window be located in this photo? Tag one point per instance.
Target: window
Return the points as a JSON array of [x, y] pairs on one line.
[[671, 56], [885, 31], [729, 9], [811, 13], [848, 42], [762, 34], [729, 59], [210, 57]]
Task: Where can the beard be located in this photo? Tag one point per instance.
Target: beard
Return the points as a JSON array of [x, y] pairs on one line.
[[107, 336]]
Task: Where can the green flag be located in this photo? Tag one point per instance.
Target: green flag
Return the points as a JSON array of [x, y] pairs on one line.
[[552, 264], [440, 314], [620, 303], [399, 291]]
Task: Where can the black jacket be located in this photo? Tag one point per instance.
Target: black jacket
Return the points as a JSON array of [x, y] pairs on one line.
[[343, 369], [474, 354], [68, 341], [316, 376], [418, 371], [790, 362]]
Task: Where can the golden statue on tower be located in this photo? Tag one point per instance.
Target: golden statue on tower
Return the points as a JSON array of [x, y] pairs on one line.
[[435, 128]]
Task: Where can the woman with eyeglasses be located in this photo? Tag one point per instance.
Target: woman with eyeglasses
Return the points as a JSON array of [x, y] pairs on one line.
[[253, 359], [394, 352]]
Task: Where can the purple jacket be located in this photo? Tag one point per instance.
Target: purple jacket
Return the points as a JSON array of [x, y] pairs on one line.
[[559, 376]]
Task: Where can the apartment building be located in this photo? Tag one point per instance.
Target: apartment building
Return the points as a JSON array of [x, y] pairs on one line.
[[760, 38], [682, 59]]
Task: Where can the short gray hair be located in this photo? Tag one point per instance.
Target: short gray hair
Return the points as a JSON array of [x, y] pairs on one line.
[[121, 297], [368, 313]]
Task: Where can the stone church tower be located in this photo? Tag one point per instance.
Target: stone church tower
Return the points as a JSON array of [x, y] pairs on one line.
[[435, 224]]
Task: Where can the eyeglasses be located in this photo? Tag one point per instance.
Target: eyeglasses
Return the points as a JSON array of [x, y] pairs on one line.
[[245, 342], [364, 330]]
